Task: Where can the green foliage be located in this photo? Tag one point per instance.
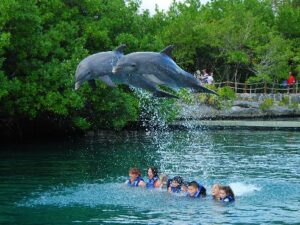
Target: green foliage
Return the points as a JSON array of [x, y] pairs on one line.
[[266, 104], [42, 42], [226, 93], [81, 123], [285, 101], [259, 79], [186, 96], [294, 106]]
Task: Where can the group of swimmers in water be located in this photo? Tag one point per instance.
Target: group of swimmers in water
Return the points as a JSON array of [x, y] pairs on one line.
[[191, 189]]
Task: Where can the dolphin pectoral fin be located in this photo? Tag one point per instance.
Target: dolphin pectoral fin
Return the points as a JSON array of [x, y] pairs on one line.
[[153, 79], [168, 50], [120, 48], [163, 94], [106, 79], [205, 90], [92, 84]]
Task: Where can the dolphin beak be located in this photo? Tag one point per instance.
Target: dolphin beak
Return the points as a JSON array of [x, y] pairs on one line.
[[114, 70]]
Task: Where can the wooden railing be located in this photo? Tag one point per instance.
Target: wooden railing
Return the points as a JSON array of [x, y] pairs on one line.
[[260, 87]]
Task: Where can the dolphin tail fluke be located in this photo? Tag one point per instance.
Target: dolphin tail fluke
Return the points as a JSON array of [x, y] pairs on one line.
[[163, 94], [205, 90]]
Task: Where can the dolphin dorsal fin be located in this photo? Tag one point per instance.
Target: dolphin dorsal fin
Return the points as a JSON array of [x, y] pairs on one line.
[[120, 48], [168, 50]]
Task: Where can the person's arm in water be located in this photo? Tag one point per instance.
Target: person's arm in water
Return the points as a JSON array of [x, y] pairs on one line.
[[142, 183], [157, 184]]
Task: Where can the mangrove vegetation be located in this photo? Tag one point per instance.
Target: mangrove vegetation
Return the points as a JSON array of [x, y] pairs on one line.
[[42, 42]]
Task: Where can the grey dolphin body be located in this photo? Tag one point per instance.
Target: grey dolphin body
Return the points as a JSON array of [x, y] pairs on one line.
[[158, 68], [99, 66]]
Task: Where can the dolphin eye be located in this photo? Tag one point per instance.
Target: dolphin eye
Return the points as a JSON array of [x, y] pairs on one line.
[[133, 65]]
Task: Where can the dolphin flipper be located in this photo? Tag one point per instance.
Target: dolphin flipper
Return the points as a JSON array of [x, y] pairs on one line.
[[202, 89], [163, 94], [106, 79]]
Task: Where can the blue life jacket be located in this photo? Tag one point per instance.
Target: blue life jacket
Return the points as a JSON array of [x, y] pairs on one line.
[[227, 199], [197, 195], [135, 183], [151, 182], [176, 189]]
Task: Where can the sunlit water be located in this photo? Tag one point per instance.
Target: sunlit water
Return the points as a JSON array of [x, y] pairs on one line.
[[82, 182]]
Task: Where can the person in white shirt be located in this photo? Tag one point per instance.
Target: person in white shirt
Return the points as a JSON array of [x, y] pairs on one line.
[[210, 79]]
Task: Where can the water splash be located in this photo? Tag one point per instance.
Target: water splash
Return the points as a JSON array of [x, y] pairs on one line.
[[195, 159], [241, 189]]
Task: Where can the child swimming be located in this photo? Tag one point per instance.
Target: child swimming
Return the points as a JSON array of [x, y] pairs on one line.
[[135, 179], [153, 181], [175, 185], [226, 194], [215, 189], [195, 190], [163, 179]]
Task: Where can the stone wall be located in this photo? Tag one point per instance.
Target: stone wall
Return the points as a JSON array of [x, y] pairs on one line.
[[276, 97], [245, 106]]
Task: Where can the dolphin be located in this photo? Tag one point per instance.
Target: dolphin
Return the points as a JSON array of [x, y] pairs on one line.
[[98, 66], [158, 68]]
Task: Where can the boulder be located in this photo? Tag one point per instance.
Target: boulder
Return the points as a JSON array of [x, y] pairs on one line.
[[246, 104]]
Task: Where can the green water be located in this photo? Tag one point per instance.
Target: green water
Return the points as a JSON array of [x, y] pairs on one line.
[[82, 181]]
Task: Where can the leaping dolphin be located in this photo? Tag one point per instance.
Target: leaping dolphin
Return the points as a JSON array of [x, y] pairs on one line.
[[158, 68], [98, 66]]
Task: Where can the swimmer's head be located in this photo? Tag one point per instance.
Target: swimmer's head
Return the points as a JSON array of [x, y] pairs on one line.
[[184, 187], [134, 173], [215, 189], [193, 188], [152, 172], [176, 181], [226, 191]]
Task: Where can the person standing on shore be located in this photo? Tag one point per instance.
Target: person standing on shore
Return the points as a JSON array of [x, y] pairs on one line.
[[210, 79], [290, 81]]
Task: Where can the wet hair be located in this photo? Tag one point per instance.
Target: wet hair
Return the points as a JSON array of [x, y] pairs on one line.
[[178, 179], [200, 188], [216, 185], [186, 184], [154, 171], [135, 170], [227, 190], [194, 184]]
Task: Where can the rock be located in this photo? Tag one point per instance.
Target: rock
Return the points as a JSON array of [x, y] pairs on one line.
[[279, 111], [239, 111], [295, 98], [246, 104]]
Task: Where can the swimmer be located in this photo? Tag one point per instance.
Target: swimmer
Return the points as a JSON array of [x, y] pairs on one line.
[[215, 189], [175, 185], [226, 194], [153, 181], [163, 180], [135, 179], [195, 190], [184, 188]]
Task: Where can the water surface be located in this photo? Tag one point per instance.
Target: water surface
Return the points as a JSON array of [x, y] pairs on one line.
[[81, 182]]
